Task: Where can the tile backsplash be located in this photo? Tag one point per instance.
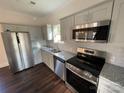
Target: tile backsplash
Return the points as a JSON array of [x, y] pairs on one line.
[[115, 51]]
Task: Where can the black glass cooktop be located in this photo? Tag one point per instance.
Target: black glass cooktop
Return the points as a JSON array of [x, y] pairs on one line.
[[89, 63]]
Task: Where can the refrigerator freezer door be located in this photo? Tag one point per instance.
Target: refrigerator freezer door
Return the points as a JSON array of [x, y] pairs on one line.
[[12, 51], [25, 49]]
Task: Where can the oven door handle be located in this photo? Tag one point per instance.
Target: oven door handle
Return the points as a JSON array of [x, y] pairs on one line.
[[91, 81]]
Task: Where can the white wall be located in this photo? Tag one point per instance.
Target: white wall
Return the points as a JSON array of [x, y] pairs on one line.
[[3, 57], [8, 16]]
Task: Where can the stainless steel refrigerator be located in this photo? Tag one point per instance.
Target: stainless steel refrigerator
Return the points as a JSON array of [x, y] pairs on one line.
[[18, 49]]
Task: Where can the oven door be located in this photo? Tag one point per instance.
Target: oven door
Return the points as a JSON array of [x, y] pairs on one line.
[[79, 84]]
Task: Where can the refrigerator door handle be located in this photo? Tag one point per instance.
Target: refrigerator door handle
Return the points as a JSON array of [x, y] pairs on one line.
[[17, 38]]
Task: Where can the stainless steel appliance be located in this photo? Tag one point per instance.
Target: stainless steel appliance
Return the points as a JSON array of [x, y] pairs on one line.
[[82, 71], [18, 50], [59, 67], [92, 32]]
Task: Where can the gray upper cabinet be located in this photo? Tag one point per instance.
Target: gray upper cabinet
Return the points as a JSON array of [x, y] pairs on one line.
[[96, 13], [101, 12], [63, 28], [12, 27], [81, 18], [66, 28], [35, 32], [117, 28], [47, 32], [8, 27]]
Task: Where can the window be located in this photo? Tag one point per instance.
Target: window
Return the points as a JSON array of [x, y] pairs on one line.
[[50, 33], [56, 33]]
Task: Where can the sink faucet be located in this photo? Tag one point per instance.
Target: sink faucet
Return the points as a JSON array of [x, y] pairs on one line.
[[48, 44], [57, 46]]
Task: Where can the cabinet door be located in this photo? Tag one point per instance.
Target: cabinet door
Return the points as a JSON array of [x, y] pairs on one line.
[[35, 32], [9, 27], [66, 28], [43, 55], [47, 32], [101, 12], [15, 27], [117, 28], [51, 62], [69, 25], [63, 27], [22, 28], [44, 31], [107, 86], [105, 90], [81, 18], [47, 58]]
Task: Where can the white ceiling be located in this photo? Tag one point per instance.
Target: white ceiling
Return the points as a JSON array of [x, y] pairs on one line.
[[42, 7]]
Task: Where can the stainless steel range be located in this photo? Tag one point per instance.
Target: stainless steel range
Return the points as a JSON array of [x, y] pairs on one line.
[[82, 71]]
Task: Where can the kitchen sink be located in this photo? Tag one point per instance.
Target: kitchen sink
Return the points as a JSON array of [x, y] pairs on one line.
[[55, 50]]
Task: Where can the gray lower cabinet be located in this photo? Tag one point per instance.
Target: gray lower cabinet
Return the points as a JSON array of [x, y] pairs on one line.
[[107, 86], [47, 58]]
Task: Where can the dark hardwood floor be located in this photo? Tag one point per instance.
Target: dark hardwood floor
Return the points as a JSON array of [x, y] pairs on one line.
[[39, 79]]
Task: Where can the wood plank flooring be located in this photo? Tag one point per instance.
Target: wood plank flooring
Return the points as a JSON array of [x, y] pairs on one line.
[[39, 79]]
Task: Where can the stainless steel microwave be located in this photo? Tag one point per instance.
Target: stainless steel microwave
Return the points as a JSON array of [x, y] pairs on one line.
[[92, 32]]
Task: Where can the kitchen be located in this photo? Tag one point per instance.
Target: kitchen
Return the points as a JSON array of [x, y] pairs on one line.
[[68, 53]]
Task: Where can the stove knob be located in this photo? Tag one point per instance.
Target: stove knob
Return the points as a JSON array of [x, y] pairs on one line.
[[85, 73], [77, 69], [90, 76]]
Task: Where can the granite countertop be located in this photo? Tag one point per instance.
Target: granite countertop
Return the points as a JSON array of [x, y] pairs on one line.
[[47, 50], [113, 73], [109, 71], [65, 55]]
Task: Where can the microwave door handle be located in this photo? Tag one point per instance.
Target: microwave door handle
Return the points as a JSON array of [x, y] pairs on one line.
[[94, 35], [85, 35]]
